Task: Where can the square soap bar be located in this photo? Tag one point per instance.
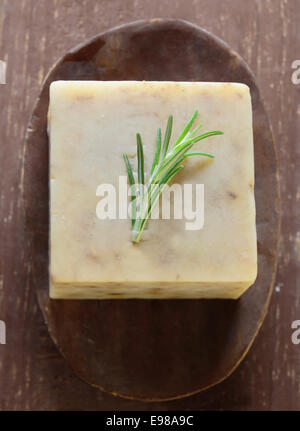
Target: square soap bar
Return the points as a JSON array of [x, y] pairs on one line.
[[91, 124]]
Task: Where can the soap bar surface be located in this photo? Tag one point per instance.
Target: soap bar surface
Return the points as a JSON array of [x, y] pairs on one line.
[[91, 124]]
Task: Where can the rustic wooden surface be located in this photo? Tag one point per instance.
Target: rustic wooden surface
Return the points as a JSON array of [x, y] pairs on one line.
[[33, 35]]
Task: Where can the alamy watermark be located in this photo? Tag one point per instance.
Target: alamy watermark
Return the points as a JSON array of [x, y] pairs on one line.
[[2, 332], [296, 334], [296, 74], [2, 72], [187, 202]]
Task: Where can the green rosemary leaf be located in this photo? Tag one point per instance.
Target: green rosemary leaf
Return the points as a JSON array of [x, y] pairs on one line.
[[173, 158], [157, 151], [197, 153], [203, 136], [129, 170], [132, 186], [170, 174], [193, 132], [187, 128], [168, 133], [140, 155]]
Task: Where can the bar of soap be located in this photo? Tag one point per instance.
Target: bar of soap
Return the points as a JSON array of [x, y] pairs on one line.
[[91, 124]]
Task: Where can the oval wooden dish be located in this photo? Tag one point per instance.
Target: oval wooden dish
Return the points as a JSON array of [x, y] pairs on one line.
[[153, 349]]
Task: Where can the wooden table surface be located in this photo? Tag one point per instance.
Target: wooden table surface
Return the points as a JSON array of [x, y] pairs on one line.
[[33, 35]]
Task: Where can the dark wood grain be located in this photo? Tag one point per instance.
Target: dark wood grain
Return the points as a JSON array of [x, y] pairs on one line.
[[33, 375]]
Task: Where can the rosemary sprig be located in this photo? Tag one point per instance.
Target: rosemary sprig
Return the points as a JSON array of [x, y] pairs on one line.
[[166, 164]]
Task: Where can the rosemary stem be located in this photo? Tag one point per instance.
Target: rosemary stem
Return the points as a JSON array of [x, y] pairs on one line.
[[164, 167]]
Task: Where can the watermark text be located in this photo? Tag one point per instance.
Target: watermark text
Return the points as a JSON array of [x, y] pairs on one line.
[[296, 334], [2, 72], [176, 201], [2, 332], [296, 74]]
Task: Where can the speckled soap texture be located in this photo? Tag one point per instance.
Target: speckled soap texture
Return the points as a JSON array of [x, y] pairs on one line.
[[91, 124]]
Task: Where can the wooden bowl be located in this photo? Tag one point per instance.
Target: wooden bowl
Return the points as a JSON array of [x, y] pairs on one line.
[[153, 349]]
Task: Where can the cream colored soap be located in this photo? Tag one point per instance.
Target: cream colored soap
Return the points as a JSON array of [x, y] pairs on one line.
[[91, 124]]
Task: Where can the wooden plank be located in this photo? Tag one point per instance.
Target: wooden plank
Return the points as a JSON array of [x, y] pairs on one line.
[[33, 35]]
